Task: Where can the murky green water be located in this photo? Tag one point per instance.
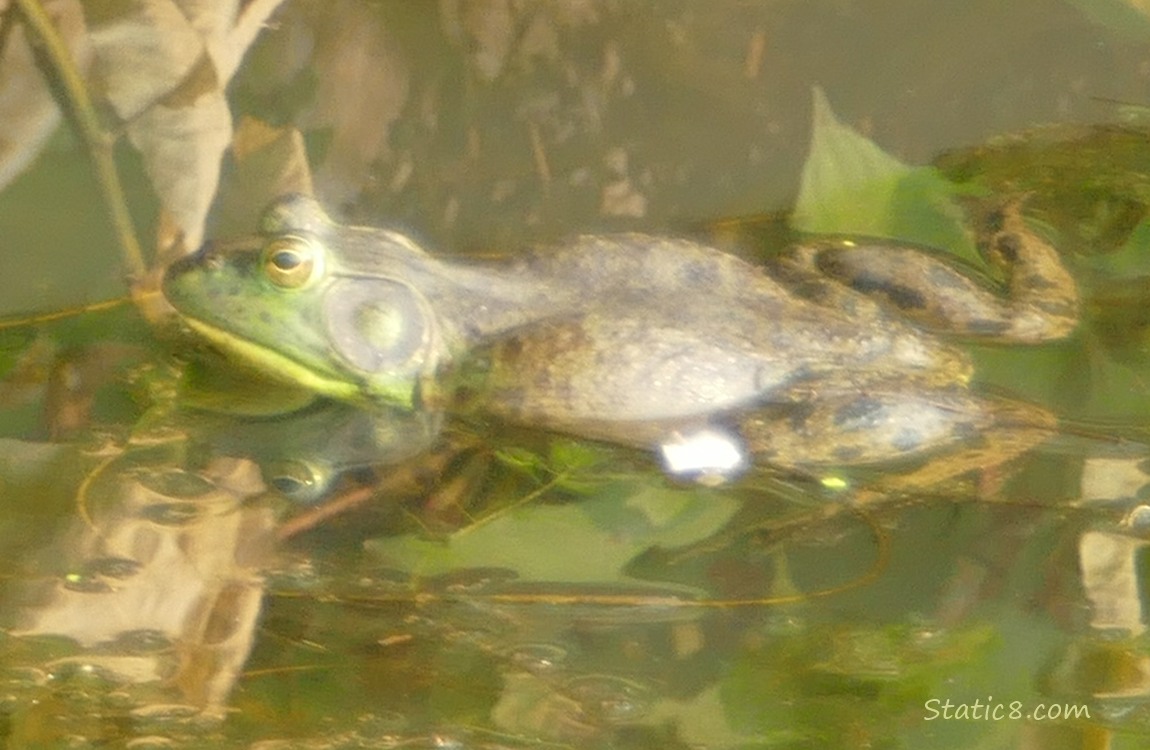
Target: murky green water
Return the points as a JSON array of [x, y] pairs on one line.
[[174, 577]]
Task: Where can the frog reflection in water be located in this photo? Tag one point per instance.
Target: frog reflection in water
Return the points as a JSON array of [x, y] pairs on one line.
[[831, 354]]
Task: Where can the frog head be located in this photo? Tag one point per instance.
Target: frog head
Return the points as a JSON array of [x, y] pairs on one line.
[[315, 304]]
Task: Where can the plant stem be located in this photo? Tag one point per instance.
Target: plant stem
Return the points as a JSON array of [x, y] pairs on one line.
[[74, 100]]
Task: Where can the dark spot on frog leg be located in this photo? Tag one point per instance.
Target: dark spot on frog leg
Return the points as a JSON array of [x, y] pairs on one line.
[[813, 290], [906, 298], [902, 296], [831, 262], [859, 409], [866, 284], [994, 221]]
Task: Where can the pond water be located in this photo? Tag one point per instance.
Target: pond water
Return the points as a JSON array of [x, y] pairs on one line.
[[185, 565]]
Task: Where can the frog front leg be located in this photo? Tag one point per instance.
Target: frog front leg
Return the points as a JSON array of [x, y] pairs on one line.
[[937, 433], [1041, 301]]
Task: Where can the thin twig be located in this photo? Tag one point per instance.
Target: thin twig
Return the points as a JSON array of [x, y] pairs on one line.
[[74, 100], [71, 312]]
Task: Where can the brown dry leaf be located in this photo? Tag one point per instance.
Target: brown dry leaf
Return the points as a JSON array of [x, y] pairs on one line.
[[355, 53], [148, 560], [162, 66], [269, 162], [28, 113], [182, 149], [142, 51]]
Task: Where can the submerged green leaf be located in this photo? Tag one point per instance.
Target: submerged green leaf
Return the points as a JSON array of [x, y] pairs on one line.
[[586, 542], [851, 186]]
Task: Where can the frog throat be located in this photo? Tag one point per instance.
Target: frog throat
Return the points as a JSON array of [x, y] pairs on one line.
[[285, 368]]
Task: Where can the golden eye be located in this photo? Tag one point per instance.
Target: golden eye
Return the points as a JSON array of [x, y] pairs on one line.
[[291, 262]]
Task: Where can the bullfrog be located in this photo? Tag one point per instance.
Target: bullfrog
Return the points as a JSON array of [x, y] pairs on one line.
[[834, 352]]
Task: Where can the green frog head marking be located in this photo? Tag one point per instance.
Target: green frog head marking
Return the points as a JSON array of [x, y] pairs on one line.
[[335, 322]]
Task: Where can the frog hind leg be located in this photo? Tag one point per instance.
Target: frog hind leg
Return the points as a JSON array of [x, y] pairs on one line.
[[1041, 302], [924, 439]]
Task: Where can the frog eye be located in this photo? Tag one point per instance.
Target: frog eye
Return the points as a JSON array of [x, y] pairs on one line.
[[298, 481], [291, 262]]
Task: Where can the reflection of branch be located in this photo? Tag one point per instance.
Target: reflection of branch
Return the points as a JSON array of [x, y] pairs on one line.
[[73, 98]]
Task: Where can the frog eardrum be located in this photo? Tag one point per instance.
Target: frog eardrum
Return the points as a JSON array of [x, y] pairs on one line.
[[378, 324]]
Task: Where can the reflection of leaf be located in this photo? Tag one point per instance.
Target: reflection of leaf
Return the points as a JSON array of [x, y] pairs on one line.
[[586, 542], [28, 113], [182, 148], [851, 186], [164, 66], [141, 50]]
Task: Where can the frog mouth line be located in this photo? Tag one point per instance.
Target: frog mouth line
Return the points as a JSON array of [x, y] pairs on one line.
[[270, 362]]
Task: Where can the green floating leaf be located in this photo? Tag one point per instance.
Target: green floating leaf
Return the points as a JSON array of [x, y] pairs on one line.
[[587, 542], [851, 186]]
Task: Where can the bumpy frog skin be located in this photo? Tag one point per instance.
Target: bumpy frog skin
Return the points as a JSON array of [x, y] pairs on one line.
[[831, 354]]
